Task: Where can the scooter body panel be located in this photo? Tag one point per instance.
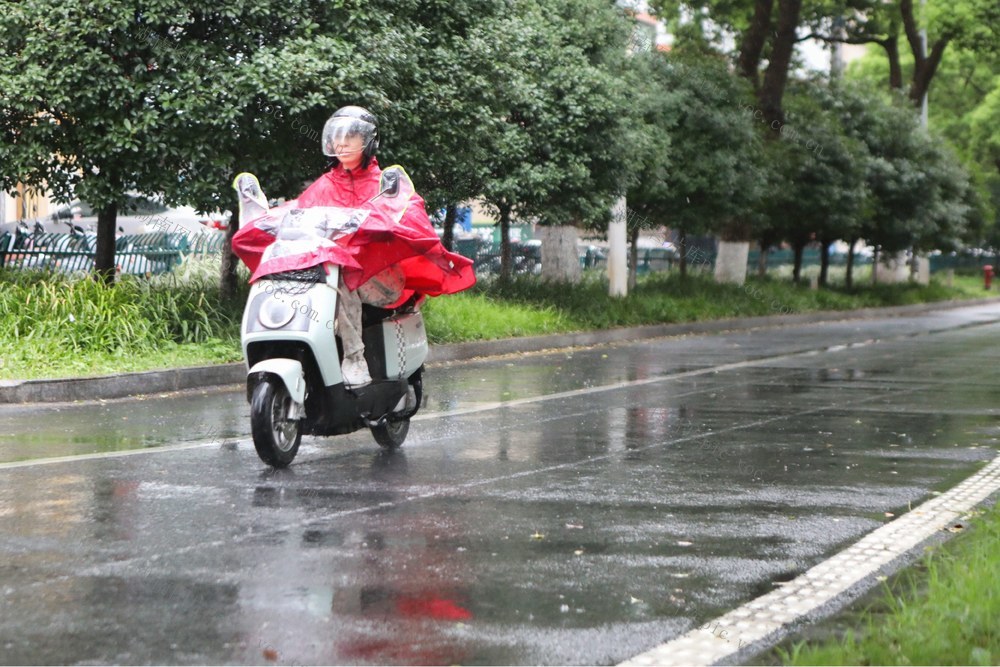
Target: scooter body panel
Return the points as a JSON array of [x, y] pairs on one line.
[[288, 312], [288, 330], [405, 344], [288, 370]]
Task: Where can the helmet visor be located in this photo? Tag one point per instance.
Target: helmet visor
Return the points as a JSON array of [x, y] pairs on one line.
[[344, 135]]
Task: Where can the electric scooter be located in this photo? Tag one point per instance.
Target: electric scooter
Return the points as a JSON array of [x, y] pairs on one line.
[[294, 382]]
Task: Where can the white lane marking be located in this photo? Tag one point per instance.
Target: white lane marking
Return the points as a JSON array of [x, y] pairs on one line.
[[457, 412], [107, 455], [627, 384], [425, 495], [497, 405], [755, 621]]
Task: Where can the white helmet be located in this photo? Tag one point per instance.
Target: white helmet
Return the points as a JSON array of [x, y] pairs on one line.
[[351, 121]]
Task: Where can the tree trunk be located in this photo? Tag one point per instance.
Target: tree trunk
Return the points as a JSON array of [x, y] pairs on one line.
[[104, 257], [891, 46], [230, 262], [923, 74], [776, 76], [682, 244], [753, 41], [875, 266], [633, 264], [448, 238], [505, 267], [924, 64], [731, 262], [849, 273], [765, 247], [798, 247], [560, 261], [824, 261]]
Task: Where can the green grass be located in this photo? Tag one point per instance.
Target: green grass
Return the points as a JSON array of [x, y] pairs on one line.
[[54, 326], [59, 326], [943, 613], [477, 316], [663, 298]]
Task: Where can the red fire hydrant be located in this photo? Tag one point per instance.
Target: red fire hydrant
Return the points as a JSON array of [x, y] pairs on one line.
[[987, 276]]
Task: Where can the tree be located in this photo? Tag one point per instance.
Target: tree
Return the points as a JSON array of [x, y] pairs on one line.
[[712, 177], [919, 195], [444, 123], [965, 23], [563, 158], [763, 35], [966, 85], [654, 118], [171, 98], [821, 190]]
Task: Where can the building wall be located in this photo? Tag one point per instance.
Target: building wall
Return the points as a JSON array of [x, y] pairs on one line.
[[23, 205]]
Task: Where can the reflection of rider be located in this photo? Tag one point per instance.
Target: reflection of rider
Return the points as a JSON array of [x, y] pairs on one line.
[[350, 139]]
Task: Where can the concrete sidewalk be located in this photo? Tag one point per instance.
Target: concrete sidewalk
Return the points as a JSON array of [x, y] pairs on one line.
[[153, 382]]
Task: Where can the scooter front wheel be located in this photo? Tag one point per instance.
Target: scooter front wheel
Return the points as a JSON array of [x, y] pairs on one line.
[[391, 434], [275, 437]]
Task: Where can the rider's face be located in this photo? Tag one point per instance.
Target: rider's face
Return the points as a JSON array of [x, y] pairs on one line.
[[349, 150]]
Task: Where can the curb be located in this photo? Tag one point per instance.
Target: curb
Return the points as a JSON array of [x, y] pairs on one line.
[[155, 382]]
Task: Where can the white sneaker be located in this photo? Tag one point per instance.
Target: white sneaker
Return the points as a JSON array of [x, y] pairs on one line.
[[355, 371]]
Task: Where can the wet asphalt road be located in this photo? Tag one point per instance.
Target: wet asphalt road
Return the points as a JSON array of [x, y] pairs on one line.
[[569, 508]]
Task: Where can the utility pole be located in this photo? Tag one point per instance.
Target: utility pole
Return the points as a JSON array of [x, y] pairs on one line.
[[914, 262], [617, 228]]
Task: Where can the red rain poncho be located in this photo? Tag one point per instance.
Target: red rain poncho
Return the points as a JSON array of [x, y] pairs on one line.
[[379, 242]]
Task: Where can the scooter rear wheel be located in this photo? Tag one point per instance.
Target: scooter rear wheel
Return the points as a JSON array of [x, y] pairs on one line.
[[391, 434], [275, 437]]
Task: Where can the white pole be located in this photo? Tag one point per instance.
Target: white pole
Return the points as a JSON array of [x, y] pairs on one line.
[[617, 232], [618, 250]]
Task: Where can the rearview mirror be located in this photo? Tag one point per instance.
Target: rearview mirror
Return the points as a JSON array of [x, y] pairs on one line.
[[390, 183]]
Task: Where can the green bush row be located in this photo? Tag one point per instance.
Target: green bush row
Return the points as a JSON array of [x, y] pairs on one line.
[[59, 326]]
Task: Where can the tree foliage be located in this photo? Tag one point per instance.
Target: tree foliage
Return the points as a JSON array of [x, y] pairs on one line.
[[818, 193], [533, 107], [563, 158], [172, 97], [711, 175]]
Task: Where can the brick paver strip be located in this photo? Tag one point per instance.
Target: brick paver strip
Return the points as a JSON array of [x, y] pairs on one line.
[[755, 621]]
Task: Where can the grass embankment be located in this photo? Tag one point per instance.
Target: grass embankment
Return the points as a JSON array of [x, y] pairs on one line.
[[55, 326], [528, 306], [944, 612], [52, 326]]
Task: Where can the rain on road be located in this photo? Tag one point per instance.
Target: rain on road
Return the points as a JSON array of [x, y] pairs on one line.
[[576, 507]]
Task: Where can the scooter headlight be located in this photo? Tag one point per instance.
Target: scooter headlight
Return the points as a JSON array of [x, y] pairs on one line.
[[275, 313]]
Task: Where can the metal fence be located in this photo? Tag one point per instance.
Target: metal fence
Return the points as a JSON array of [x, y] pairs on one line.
[[138, 254], [526, 257], [160, 252]]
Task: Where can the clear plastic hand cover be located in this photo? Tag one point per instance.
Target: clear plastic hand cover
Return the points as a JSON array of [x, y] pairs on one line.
[[303, 230]]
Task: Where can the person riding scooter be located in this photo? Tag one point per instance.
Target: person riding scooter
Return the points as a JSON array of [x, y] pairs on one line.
[[350, 139], [410, 247]]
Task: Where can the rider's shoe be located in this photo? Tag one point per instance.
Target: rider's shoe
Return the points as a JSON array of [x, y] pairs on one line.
[[355, 371]]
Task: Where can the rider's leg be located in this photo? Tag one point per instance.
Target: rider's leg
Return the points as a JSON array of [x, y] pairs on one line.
[[354, 368]]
